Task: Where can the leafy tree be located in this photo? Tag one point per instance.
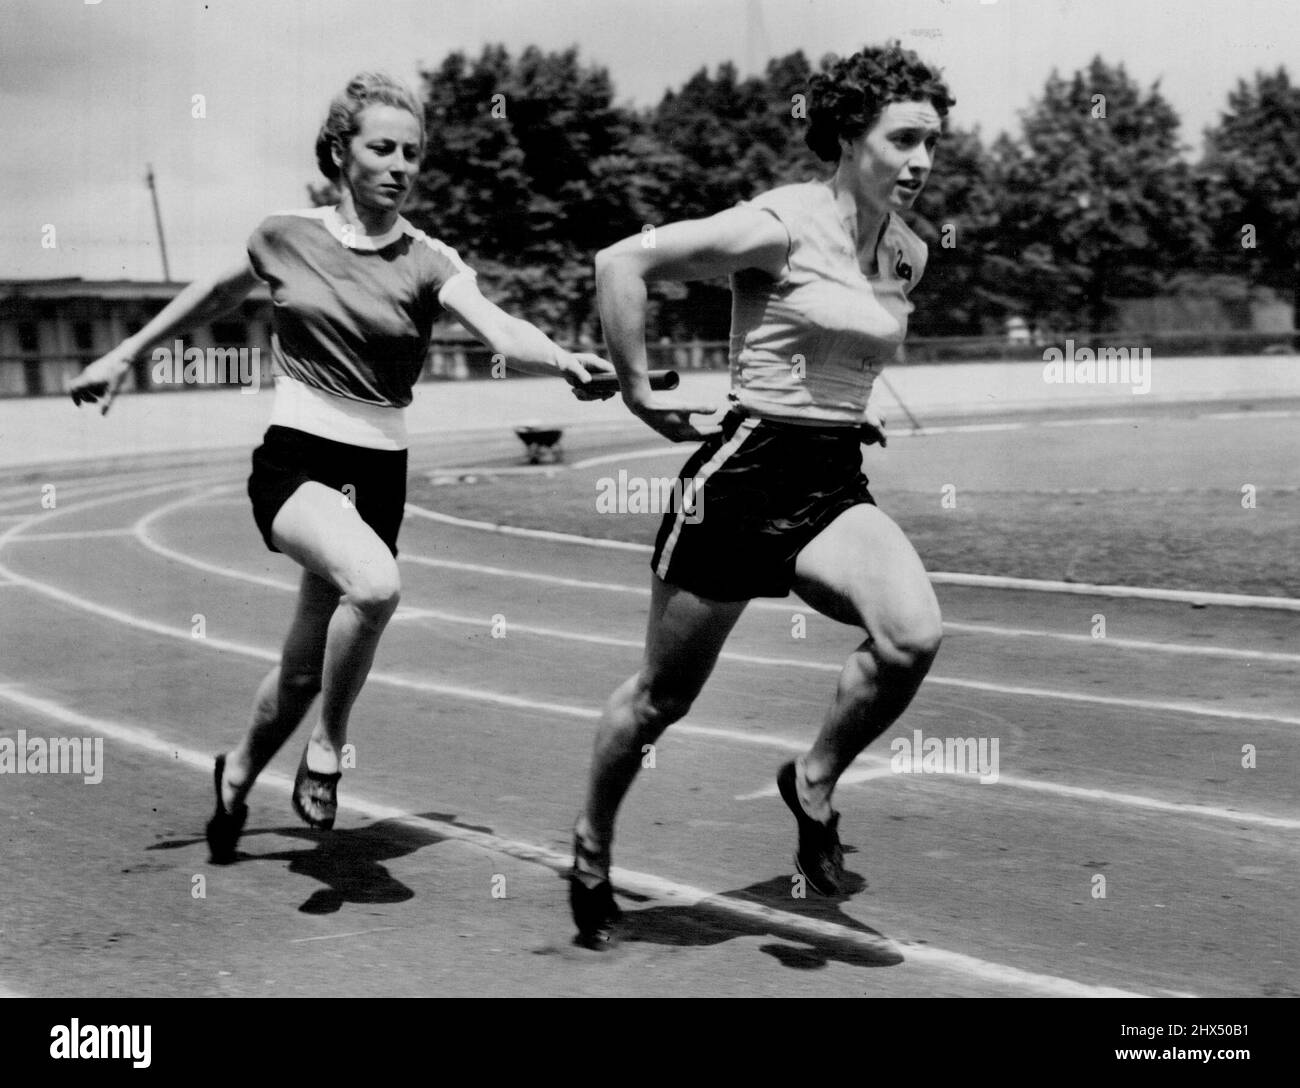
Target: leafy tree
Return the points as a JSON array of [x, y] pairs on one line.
[[530, 169], [1098, 202], [957, 216], [1250, 185]]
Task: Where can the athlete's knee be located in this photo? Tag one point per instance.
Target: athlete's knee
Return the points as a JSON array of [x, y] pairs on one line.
[[910, 646], [375, 593], [909, 639], [655, 709], [301, 680]]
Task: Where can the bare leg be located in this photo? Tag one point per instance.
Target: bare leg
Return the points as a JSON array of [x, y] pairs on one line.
[[286, 693], [323, 532], [863, 570], [684, 637], [350, 589]]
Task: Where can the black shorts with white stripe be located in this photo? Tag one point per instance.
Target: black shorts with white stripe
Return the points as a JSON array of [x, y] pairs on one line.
[[755, 494]]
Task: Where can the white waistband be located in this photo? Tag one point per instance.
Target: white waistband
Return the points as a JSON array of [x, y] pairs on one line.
[[303, 408]]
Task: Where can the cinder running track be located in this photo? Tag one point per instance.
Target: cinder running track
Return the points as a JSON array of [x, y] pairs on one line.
[[143, 609]]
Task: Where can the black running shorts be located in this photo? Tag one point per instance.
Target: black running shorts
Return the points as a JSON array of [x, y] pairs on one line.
[[762, 491], [288, 458]]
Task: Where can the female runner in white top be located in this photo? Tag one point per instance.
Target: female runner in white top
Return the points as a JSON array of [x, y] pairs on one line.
[[820, 275]]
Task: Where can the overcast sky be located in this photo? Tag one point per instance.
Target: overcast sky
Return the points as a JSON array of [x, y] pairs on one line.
[[92, 91]]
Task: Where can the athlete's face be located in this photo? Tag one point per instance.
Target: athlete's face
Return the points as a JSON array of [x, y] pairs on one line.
[[890, 162], [383, 157]]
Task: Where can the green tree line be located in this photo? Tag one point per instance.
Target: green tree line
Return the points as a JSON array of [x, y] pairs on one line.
[[533, 165]]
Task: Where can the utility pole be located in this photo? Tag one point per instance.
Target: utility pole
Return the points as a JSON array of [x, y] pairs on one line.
[[157, 218], [757, 47]]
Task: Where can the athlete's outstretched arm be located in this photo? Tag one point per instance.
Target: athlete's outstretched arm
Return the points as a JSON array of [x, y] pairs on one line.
[[202, 301], [521, 343], [695, 249]]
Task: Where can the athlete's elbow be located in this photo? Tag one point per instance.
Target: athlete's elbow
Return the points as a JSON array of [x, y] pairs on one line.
[[605, 261], [619, 269]]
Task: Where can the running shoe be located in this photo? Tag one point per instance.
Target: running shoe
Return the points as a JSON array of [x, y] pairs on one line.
[[591, 895], [225, 827], [820, 857], [315, 796]]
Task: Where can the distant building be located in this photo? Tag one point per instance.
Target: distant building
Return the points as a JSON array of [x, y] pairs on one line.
[[52, 329]]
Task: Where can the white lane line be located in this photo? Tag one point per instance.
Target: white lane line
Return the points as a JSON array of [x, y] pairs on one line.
[[532, 534], [764, 661], [1200, 710], [1131, 800], [850, 777], [117, 484], [1138, 593], [17, 532], [1101, 421], [1141, 645], [1277, 413], [966, 428], [340, 936], [791, 605], [873, 767], [525, 575], [140, 530], [84, 534], [942, 578], [630, 455], [782, 922]]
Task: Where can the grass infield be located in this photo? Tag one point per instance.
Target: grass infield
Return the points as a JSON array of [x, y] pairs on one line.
[[1189, 539]]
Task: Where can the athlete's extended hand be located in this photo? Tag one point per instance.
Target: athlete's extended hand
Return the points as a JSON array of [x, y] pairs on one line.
[[672, 418], [103, 378], [872, 429], [577, 368]]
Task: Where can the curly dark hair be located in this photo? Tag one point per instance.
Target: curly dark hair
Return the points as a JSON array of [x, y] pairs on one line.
[[344, 118], [849, 98]]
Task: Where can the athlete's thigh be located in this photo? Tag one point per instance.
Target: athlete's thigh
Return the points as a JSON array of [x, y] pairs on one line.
[[320, 529], [683, 639], [862, 570]]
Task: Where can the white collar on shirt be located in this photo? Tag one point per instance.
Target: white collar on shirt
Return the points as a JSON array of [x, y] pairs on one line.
[[349, 236]]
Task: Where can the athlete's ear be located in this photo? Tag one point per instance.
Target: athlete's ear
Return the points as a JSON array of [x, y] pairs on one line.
[[336, 153]]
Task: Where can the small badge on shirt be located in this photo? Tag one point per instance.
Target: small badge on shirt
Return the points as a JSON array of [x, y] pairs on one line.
[[902, 269]]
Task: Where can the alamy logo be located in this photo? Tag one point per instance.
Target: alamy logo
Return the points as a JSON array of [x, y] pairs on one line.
[[656, 495], [76, 1040], [180, 365], [1108, 366], [57, 755], [945, 755]]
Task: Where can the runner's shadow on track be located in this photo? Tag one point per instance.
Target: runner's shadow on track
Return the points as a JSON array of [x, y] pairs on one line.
[[712, 921], [347, 861]]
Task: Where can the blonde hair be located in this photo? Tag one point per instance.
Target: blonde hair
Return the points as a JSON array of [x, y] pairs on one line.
[[344, 118]]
